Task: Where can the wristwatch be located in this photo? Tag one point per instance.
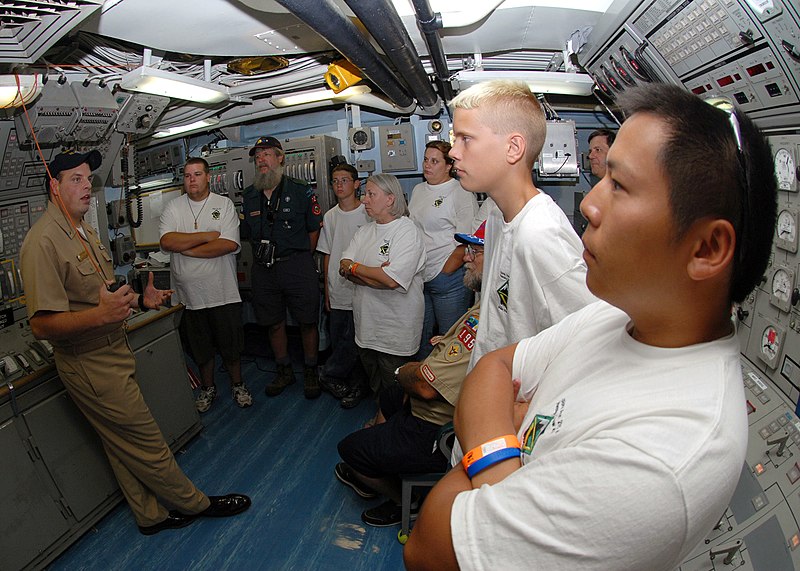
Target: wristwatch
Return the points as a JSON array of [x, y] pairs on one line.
[[397, 374]]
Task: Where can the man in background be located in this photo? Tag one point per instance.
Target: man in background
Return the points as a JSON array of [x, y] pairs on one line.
[[282, 219], [599, 143], [342, 375], [200, 230]]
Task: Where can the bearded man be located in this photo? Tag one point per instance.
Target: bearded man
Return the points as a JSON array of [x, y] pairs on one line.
[[282, 219]]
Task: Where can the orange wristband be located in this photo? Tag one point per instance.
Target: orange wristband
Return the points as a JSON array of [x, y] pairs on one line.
[[499, 443], [353, 268]]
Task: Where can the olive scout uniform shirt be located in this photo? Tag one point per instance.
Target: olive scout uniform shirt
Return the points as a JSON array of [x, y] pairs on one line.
[[446, 367], [97, 368]]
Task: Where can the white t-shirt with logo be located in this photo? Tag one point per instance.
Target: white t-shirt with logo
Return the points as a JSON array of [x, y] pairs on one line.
[[631, 452], [441, 210], [338, 229], [389, 320], [203, 282], [533, 275]]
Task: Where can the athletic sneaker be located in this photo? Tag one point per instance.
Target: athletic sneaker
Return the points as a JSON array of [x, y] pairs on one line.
[[241, 395], [344, 474], [205, 398], [386, 514]]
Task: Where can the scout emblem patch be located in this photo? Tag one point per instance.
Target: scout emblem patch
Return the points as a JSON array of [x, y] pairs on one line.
[[215, 214]]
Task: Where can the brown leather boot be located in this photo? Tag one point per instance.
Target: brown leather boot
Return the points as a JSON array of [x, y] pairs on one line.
[[283, 378]]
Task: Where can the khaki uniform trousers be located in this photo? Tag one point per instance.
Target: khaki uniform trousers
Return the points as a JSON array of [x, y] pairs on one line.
[[101, 383]]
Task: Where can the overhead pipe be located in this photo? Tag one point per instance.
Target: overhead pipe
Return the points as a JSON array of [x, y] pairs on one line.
[[429, 24], [384, 24], [329, 22]]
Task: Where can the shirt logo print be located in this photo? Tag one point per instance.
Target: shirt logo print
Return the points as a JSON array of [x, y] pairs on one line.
[[537, 426], [502, 292], [215, 214], [384, 249]]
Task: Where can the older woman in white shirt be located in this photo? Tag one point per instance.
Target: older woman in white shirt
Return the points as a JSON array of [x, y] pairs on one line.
[[385, 260]]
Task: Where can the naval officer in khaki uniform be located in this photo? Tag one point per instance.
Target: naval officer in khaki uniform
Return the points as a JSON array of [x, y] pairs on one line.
[[67, 271]]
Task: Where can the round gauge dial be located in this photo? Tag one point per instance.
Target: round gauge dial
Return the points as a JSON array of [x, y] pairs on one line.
[[770, 345], [787, 226], [782, 285], [360, 137], [784, 169]]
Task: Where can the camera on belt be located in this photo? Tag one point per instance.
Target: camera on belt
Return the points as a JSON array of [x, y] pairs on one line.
[[265, 253]]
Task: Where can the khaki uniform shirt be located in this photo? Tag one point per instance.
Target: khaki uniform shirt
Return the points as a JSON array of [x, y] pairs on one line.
[[446, 367], [58, 273]]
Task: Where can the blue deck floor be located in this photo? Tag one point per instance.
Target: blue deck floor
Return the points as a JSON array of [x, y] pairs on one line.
[[281, 452]]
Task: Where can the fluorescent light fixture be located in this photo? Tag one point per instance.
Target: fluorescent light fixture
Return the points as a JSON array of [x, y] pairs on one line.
[[538, 81], [318, 95], [209, 122], [154, 183], [159, 82], [13, 96]]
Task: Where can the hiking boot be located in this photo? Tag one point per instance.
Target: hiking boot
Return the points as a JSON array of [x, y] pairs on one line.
[[311, 382], [283, 378], [205, 398], [344, 474], [355, 396], [241, 396], [337, 389], [386, 514]]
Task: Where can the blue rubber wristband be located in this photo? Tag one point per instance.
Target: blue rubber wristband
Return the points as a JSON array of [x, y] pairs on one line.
[[491, 460]]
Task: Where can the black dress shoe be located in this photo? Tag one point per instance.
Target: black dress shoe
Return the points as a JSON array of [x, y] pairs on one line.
[[226, 506], [174, 520]]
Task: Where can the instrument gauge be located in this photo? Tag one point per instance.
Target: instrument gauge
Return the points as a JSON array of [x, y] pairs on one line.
[[785, 170], [770, 345], [781, 291], [786, 230]]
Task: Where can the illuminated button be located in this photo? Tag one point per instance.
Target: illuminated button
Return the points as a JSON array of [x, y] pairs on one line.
[[757, 390], [782, 420], [794, 541], [765, 432], [796, 438], [759, 469], [760, 501], [774, 426], [748, 382], [764, 398], [793, 474]]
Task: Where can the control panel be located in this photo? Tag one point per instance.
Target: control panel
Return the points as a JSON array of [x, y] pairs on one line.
[[398, 152], [231, 172], [308, 159], [747, 50], [759, 529]]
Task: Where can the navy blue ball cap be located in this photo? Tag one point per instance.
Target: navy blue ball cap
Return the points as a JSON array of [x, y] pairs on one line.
[[266, 143], [67, 160]]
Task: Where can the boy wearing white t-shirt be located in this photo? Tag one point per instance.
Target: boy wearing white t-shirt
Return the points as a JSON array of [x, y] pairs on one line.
[[533, 274], [342, 375], [615, 438]]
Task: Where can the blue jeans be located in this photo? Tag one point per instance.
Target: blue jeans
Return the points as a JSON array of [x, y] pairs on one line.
[[446, 299], [344, 364]]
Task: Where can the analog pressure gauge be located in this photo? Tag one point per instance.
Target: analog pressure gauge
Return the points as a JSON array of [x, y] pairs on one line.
[[785, 170], [781, 292], [771, 339], [786, 230]]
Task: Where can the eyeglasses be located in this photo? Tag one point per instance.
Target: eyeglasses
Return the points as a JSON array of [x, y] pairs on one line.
[[341, 180], [726, 105], [472, 252]]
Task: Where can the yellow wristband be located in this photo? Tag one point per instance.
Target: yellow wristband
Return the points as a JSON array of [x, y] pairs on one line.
[[500, 443]]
